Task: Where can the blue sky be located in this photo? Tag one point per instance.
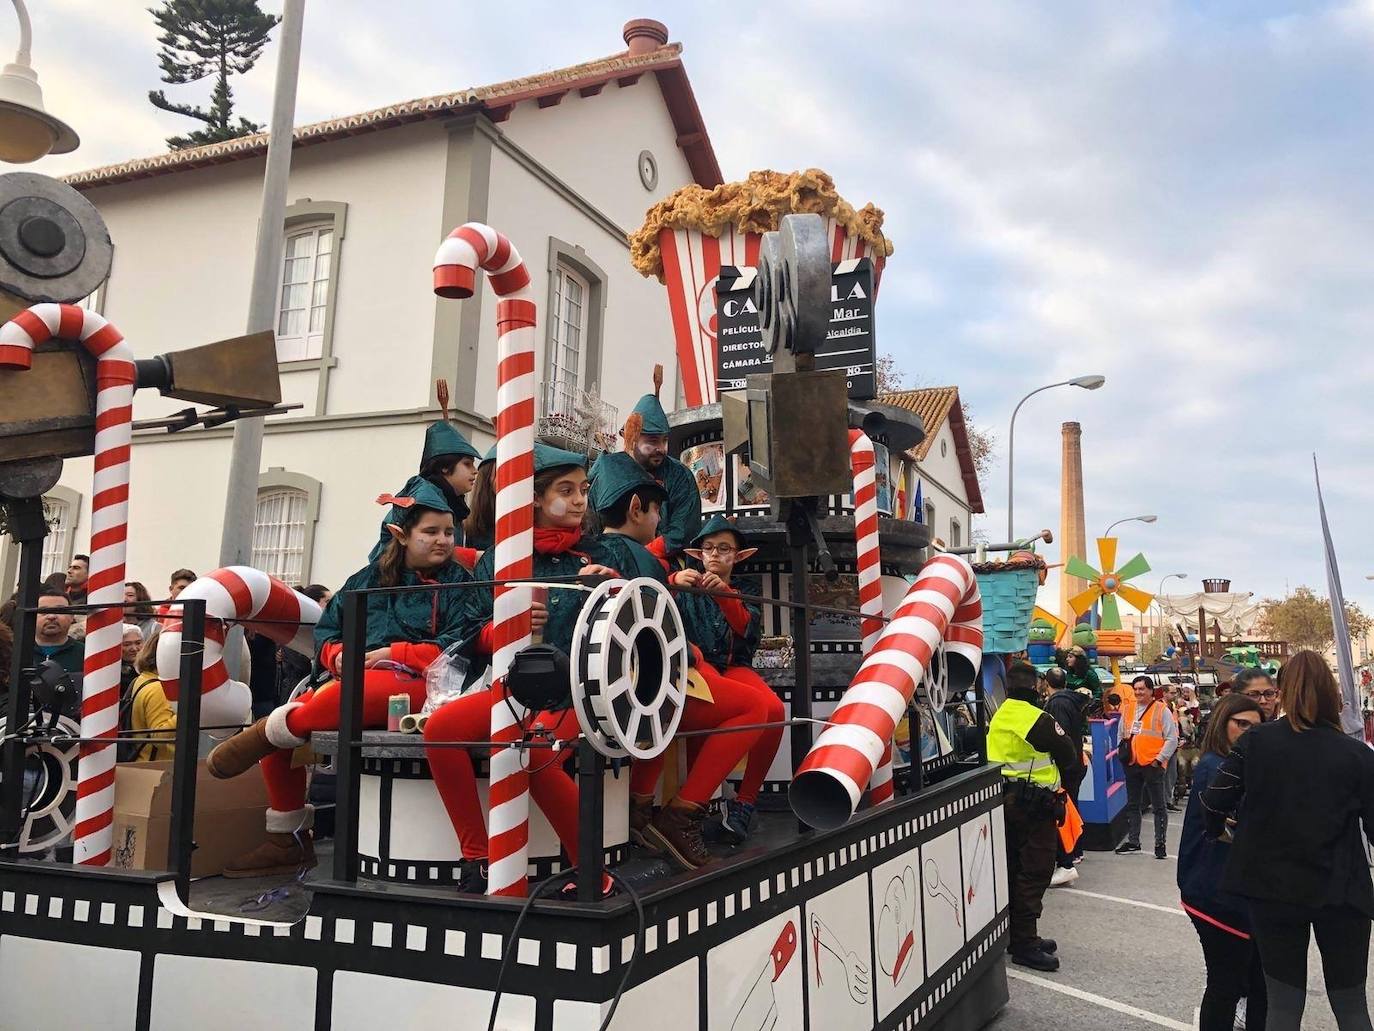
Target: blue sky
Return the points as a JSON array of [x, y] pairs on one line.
[[1176, 195]]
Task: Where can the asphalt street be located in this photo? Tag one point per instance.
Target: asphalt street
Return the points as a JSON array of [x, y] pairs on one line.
[[1129, 957]]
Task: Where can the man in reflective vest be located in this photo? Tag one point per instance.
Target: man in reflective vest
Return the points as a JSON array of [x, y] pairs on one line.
[[1146, 737], [1036, 757]]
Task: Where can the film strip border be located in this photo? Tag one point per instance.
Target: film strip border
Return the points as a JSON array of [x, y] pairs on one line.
[[937, 994], [427, 874]]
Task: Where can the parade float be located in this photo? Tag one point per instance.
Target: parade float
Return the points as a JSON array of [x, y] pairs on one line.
[[885, 907]]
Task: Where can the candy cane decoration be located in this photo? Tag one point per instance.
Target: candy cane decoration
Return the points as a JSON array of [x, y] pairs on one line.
[[943, 605], [114, 397], [869, 564], [466, 249], [263, 604]]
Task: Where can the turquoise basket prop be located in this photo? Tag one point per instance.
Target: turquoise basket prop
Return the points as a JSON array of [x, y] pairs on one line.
[[1008, 590]]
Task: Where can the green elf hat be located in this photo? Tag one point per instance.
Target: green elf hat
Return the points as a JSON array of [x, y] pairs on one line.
[[615, 475], [490, 456], [548, 457], [719, 524], [648, 415], [442, 439], [417, 491]]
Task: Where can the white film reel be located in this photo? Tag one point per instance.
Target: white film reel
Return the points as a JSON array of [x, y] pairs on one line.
[[935, 683], [629, 668], [49, 789]]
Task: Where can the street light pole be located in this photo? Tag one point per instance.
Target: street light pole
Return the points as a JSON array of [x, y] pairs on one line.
[[240, 504], [1086, 382], [1130, 519], [1160, 593]]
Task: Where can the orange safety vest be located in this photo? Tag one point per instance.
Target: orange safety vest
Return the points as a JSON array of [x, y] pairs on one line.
[[1148, 742]]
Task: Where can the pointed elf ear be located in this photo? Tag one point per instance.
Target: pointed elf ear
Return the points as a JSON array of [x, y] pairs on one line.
[[694, 552], [397, 534], [745, 554]]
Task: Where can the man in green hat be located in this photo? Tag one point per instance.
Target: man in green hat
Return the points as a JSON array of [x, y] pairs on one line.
[[646, 441], [629, 501]]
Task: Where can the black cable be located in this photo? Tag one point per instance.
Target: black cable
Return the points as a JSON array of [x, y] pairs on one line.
[[513, 943], [639, 945]]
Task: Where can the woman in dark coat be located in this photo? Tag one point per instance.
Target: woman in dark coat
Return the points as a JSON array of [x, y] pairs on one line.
[[1301, 791], [1222, 920]]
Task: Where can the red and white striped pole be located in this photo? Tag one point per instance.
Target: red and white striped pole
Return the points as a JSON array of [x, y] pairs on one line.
[[869, 566], [263, 604], [466, 249], [114, 377], [942, 606]]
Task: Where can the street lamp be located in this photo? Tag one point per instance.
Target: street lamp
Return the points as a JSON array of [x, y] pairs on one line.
[[1160, 593], [1131, 519], [27, 131], [1086, 382]]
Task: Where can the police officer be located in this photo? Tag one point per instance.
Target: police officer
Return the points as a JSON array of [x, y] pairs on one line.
[[1037, 757]]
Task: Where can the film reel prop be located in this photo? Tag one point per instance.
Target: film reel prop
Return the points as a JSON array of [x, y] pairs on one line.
[[49, 795], [792, 290], [629, 668], [935, 689]]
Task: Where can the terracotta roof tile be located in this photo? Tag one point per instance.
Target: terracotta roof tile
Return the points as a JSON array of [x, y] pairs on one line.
[[496, 99], [935, 405]]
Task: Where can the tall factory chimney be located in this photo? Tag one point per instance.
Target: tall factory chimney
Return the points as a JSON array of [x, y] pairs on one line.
[[1073, 536]]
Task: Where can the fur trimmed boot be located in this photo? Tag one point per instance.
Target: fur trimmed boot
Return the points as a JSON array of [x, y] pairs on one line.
[[288, 849], [242, 752]]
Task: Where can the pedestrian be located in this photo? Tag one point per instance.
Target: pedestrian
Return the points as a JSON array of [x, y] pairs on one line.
[[1188, 711], [1221, 919], [1066, 707], [77, 574], [53, 637], [145, 711], [130, 644], [1146, 739], [143, 616], [176, 583], [1171, 694], [1300, 790], [1259, 685], [1036, 755]]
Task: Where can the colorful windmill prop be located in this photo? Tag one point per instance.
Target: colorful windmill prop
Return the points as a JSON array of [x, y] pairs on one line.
[[1112, 641]]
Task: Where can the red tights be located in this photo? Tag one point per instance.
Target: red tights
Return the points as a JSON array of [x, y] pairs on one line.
[[763, 750], [469, 719], [735, 705], [319, 710]]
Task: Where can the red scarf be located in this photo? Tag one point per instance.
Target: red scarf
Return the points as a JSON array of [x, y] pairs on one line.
[[555, 540]]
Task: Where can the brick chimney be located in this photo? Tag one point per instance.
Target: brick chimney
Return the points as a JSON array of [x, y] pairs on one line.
[[1073, 536], [644, 36]]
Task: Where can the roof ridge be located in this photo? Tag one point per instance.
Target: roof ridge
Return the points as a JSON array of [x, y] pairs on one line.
[[419, 106]]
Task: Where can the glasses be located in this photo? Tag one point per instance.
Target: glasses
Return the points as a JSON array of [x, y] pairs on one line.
[[723, 550], [1243, 722], [1268, 694]]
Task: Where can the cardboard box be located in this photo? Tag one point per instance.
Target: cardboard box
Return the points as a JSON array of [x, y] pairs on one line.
[[230, 817]]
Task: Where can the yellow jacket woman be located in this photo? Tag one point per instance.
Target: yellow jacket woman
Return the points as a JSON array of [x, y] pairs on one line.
[[150, 715]]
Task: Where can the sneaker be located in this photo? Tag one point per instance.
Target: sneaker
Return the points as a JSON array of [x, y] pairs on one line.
[[1173, 807], [1077, 860], [676, 831], [568, 893], [1127, 846], [1161, 852], [1036, 958], [736, 819], [1063, 876], [472, 876]]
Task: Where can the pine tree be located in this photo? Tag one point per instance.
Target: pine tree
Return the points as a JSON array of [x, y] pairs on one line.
[[209, 37]]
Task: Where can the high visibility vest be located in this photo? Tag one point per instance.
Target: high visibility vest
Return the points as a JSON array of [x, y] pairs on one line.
[[1147, 742], [1007, 745]]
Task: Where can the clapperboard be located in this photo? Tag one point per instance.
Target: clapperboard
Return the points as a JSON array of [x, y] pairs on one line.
[[848, 343]]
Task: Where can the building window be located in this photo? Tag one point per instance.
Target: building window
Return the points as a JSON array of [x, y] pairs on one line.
[[57, 545], [930, 515], [284, 528], [304, 297], [577, 303], [956, 534]]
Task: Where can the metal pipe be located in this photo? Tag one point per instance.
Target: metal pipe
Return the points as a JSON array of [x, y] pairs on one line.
[[591, 807], [1086, 382], [181, 835], [1021, 545], [240, 506], [348, 762], [28, 528], [24, 54]]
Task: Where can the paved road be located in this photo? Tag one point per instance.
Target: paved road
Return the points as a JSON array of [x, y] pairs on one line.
[[1113, 951]]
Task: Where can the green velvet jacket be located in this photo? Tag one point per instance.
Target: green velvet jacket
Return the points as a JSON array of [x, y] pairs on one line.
[[414, 617], [709, 630], [629, 558], [681, 518]]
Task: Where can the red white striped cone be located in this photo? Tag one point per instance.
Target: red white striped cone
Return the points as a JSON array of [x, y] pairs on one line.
[[244, 595], [468, 248], [691, 265], [109, 533], [942, 606]]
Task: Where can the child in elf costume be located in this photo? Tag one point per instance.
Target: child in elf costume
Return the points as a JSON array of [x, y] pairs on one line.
[[479, 528], [724, 632], [629, 503], [405, 633], [560, 503]]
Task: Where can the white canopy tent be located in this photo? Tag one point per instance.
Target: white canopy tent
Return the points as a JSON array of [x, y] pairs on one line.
[[1236, 612]]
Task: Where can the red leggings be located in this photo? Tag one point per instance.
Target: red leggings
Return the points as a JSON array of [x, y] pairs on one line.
[[763, 750], [469, 719], [735, 705], [319, 710]]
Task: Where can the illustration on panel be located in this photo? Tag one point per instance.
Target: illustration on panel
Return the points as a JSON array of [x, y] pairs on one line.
[[999, 857], [840, 967], [898, 934], [756, 978], [980, 901], [942, 900]]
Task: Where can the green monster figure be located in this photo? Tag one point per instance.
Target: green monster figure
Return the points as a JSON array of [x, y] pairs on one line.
[[1040, 642]]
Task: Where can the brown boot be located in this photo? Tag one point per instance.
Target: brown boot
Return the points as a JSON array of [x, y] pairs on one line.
[[641, 815], [676, 830], [289, 846], [240, 753]]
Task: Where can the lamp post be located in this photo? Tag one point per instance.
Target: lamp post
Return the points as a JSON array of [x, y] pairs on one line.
[[1086, 382], [1160, 593], [1131, 519], [27, 131]]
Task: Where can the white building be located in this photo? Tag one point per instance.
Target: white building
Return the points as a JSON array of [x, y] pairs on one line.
[[942, 464], [563, 162]]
